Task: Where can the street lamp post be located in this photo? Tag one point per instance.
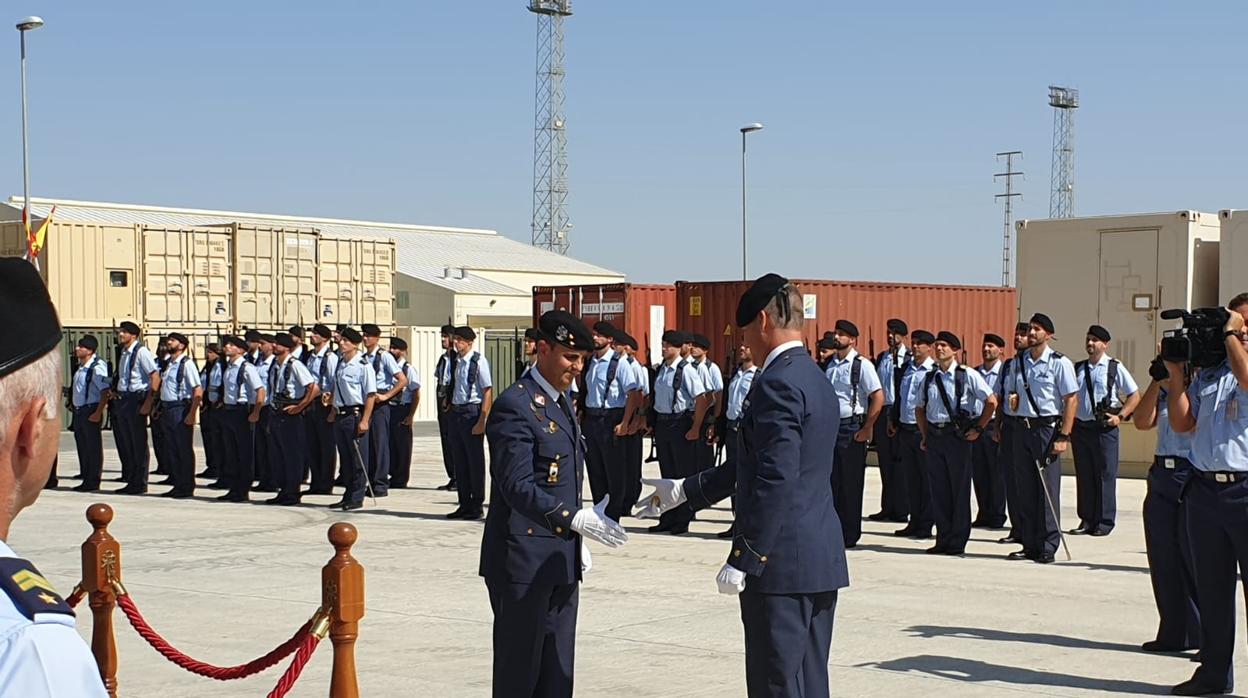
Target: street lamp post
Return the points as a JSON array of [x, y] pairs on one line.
[[750, 128], [24, 26]]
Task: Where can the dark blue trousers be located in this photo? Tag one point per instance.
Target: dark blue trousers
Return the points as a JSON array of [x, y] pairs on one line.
[[210, 435], [632, 468], [606, 461], [918, 483], [1005, 461], [444, 436], [1217, 519], [1096, 475], [379, 448], [949, 471], [676, 460], [130, 432], [1041, 530], [263, 446], [400, 446], [352, 455], [787, 641], [988, 473], [289, 448], [177, 441], [849, 466], [238, 438], [894, 499], [320, 443], [469, 454], [90, 445], [158, 447], [1170, 565], [534, 638]]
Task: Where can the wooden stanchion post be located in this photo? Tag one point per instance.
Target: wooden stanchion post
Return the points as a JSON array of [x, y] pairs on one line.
[[342, 597], [101, 561]]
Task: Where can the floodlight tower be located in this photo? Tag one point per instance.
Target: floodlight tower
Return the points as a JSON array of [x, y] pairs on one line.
[[1064, 101], [550, 142]]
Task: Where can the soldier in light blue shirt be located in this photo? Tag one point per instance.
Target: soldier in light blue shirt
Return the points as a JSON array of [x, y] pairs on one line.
[[1007, 429], [988, 469], [180, 396], [442, 372], [294, 390], [323, 365], [243, 400], [948, 426], [211, 376], [910, 455], [355, 393], [1107, 396], [681, 401], [91, 391], [860, 398], [890, 366], [608, 410], [138, 386], [265, 471], [471, 392], [402, 415], [713, 379], [626, 345]]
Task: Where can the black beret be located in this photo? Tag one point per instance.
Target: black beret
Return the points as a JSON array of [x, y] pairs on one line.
[[213, 347], [922, 337], [296, 331], [1099, 332], [627, 340], [368, 329], [234, 340], [827, 341], [322, 331], [1022, 328], [1043, 321], [991, 338], [605, 329], [252, 336], [89, 341], [896, 326], [284, 339], [398, 343], [465, 332], [340, 328], [562, 328], [757, 297], [847, 327], [131, 328], [351, 335], [673, 337], [28, 313], [532, 334], [700, 341], [949, 338], [268, 338], [180, 337], [448, 330]]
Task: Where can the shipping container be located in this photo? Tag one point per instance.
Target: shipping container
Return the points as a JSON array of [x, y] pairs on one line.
[[356, 281], [375, 260], [186, 275], [90, 269], [641, 310], [424, 346], [275, 271], [1118, 272], [1233, 255], [710, 308]]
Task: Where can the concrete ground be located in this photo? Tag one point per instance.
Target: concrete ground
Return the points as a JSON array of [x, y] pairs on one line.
[[227, 582]]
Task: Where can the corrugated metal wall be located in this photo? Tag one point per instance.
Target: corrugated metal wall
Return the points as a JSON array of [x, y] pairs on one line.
[[641, 310]]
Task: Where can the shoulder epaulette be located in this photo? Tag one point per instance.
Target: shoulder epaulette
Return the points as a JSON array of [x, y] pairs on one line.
[[30, 592]]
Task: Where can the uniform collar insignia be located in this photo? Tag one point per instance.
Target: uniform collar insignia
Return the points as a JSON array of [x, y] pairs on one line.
[[539, 399]]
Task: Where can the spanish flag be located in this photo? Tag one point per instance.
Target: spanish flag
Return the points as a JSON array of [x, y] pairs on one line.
[[36, 239]]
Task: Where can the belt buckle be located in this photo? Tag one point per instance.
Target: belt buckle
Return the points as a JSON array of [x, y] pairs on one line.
[[1222, 477], [1167, 463]]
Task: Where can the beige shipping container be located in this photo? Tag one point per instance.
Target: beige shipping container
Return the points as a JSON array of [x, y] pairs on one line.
[[275, 275], [356, 281], [91, 270], [186, 276], [1233, 255], [375, 260], [1118, 272]]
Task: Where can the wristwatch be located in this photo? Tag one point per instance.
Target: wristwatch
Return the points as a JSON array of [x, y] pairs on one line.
[[1230, 333]]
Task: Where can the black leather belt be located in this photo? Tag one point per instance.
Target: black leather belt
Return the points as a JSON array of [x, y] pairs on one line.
[[857, 419], [673, 417], [908, 427], [353, 409], [1033, 422], [734, 423], [604, 411], [466, 408], [174, 403], [1222, 477], [235, 407], [1170, 462], [941, 426]]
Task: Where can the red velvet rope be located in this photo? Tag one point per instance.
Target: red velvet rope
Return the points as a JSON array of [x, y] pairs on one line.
[[289, 678], [194, 666]]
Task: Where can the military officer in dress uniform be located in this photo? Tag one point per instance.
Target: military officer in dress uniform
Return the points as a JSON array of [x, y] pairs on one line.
[[180, 396], [861, 399], [987, 473], [1006, 428], [608, 411], [41, 655], [402, 413], [1107, 397], [1166, 539], [909, 441], [533, 549], [953, 412], [323, 365], [891, 365], [472, 394], [355, 393], [209, 429], [1041, 390], [787, 561], [90, 394], [390, 383], [444, 372], [244, 397], [294, 389], [1214, 409], [138, 381], [680, 404]]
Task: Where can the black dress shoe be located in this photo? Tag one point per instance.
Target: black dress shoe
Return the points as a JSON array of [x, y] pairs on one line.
[[472, 515], [904, 532], [1021, 555], [120, 478], [274, 500], [206, 475], [395, 486], [318, 491], [170, 493], [955, 553], [1192, 687], [264, 488], [1100, 532], [181, 495], [727, 533], [381, 493], [936, 550], [131, 490], [50, 485], [921, 535], [880, 516], [1080, 531], [678, 530], [76, 477], [231, 497], [84, 487], [352, 506], [457, 514], [337, 505], [166, 481], [1159, 646], [1009, 540], [661, 528], [1044, 558]]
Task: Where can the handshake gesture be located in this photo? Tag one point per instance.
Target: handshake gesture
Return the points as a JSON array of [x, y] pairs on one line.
[[667, 495], [593, 524]]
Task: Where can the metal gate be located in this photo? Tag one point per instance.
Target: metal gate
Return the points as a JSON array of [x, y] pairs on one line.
[[505, 352], [108, 351]]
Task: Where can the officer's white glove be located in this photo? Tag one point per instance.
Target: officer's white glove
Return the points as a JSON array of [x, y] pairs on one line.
[[587, 560], [730, 580], [592, 522], [666, 495]]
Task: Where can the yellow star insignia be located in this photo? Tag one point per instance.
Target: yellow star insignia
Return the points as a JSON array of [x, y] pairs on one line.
[[47, 598]]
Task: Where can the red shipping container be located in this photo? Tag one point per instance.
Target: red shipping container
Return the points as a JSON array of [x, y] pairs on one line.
[[710, 308], [642, 310]]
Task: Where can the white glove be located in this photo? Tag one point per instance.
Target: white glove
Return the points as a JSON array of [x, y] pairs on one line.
[[587, 560], [666, 495], [730, 580], [592, 522]]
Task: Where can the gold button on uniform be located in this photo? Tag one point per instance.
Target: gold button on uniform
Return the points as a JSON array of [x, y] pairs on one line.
[[530, 531], [763, 559], [736, 553], [565, 513], [558, 529]]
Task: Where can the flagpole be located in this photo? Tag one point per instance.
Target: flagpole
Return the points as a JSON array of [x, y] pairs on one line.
[[22, 27]]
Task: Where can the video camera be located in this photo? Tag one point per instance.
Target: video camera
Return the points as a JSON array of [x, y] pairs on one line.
[[1199, 341]]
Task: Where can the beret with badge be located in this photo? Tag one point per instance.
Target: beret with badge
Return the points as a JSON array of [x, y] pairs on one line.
[[897, 326], [564, 329], [130, 328], [89, 342], [922, 337], [24, 303], [368, 329], [847, 328]]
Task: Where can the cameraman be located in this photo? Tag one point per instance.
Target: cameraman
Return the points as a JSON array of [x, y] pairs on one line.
[[1216, 494]]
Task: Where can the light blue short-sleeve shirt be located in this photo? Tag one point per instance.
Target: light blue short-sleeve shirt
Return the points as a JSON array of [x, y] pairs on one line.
[[413, 383], [171, 390], [975, 392], [886, 368], [136, 367], [242, 383], [737, 390], [1124, 386], [354, 382], [1170, 442], [323, 365], [691, 387], [912, 388], [386, 367], [840, 374], [1220, 440], [90, 381], [292, 384], [1050, 377], [466, 394], [600, 395]]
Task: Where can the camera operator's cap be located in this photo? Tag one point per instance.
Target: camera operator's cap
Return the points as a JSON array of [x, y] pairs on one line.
[[673, 337], [532, 334], [1099, 332], [368, 329], [1022, 328], [252, 336], [760, 293], [130, 327], [1044, 322], [350, 334], [466, 333], [922, 337], [322, 331], [296, 331], [448, 330], [846, 327], [897, 326], [180, 337], [234, 340], [700, 341], [994, 339], [398, 343], [284, 339], [602, 328], [562, 328], [89, 342], [949, 338]]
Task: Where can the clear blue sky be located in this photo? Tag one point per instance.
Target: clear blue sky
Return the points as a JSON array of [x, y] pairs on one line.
[[876, 162]]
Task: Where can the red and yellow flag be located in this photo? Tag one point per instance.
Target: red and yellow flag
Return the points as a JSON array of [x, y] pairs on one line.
[[36, 239]]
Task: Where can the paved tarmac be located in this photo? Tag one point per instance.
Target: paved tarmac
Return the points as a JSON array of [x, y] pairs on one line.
[[227, 582]]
